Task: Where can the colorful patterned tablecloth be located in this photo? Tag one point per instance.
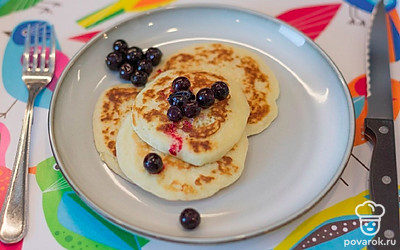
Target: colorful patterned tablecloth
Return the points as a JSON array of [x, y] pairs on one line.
[[59, 219]]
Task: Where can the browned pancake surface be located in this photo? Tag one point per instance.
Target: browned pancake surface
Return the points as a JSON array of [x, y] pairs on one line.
[[199, 140], [112, 107], [258, 82]]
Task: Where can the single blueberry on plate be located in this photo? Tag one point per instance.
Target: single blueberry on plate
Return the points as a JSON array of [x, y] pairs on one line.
[[177, 100], [152, 162], [174, 114], [134, 55], [154, 55], [114, 60], [191, 109], [190, 218], [205, 97], [180, 83], [120, 45], [145, 65], [220, 89], [139, 78], [125, 71], [185, 93]]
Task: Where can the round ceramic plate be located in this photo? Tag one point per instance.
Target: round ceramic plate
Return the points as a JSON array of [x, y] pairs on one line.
[[289, 167]]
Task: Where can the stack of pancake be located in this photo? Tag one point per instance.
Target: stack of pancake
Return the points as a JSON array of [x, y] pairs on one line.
[[201, 155]]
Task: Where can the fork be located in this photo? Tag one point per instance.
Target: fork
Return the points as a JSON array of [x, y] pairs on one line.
[[37, 71]]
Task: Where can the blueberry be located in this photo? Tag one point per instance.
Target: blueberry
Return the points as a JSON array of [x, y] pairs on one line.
[[180, 98], [174, 113], [120, 45], [139, 78], [145, 65], [180, 83], [191, 109], [205, 97], [185, 93], [177, 100], [190, 218], [153, 163], [154, 55], [134, 55], [125, 71], [114, 60], [220, 89]]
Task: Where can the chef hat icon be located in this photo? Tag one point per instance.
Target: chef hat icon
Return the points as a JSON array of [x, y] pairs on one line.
[[370, 223], [377, 210]]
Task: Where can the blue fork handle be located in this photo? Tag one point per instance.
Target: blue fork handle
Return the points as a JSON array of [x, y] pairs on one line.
[[14, 213]]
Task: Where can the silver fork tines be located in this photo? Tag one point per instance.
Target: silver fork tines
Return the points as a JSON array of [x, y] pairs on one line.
[[26, 64], [32, 59], [37, 72]]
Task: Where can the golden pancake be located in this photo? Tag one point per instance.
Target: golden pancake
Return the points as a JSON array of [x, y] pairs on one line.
[[258, 82], [110, 110], [199, 140], [178, 180]]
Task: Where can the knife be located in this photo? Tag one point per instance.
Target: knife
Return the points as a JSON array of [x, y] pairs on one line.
[[379, 130]]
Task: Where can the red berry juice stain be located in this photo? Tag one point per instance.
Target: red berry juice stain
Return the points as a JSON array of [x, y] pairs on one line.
[[187, 126], [177, 141], [157, 73], [163, 96]]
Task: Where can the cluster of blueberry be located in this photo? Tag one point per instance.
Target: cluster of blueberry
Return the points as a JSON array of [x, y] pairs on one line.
[[185, 104], [132, 63]]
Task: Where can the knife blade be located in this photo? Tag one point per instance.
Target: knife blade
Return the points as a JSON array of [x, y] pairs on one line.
[[379, 129]]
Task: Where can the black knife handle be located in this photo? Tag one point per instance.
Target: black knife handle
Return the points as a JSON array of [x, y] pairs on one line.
[[383, 177]]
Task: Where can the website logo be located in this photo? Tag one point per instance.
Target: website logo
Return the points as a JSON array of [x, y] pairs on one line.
[[370, 223]]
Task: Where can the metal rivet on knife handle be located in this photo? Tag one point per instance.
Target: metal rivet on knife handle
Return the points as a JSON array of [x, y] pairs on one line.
[[383, 130], [389, 234], [386, 179]]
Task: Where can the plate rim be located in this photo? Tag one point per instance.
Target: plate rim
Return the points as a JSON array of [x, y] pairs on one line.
[[177, 239]]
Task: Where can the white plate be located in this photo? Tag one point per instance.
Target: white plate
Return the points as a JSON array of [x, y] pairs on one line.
[[289, 167]]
